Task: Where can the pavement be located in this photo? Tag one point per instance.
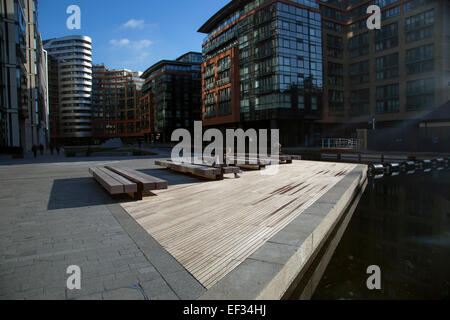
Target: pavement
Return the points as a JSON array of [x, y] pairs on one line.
[[54, 215]]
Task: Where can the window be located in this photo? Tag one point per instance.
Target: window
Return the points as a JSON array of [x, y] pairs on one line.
[[359, 72], [332, 26], [387, 98], [420, 26], [336, 102], [359, 45], [335, 46], [224, 64], [225, 108], [335, 74], [420, 94], [384, 3], [387, 37], [389, 13], [225, 94], [360, 102], [387, 67], [420, 59], [412, 4]]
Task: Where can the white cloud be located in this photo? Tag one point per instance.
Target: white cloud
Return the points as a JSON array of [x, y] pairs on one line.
[[119, 43], [142, 44], [134, 24], [138, 45]]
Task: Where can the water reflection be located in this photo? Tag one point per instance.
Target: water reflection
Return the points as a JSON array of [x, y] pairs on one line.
[[402, 224]]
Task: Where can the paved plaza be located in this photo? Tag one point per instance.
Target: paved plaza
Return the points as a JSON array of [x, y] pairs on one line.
[[54, 215], [182, 243]]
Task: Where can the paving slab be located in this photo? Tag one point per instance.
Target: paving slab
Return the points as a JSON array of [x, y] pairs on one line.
[[55, 215]]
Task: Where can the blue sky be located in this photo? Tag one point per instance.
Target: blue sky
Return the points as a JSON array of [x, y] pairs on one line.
[[132, 34]]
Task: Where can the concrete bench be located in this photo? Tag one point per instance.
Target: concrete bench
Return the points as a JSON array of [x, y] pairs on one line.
[[210, 173], [126, 181]]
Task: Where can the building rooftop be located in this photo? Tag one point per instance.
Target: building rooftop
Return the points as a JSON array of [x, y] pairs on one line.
[[161, 63], [222, 14], [188, 53]]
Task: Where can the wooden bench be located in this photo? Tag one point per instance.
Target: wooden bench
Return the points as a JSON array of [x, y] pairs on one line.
[[211, 162], [112, 182], [280, 159], [118, 180], [210, 173], [247, 162]]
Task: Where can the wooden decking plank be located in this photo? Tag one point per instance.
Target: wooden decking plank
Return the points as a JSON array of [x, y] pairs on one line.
[[215, 226]]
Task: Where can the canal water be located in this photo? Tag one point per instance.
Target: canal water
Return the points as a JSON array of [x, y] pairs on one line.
[[402, 225]]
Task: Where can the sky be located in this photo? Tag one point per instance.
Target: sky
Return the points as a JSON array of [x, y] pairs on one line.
[[132, 34]]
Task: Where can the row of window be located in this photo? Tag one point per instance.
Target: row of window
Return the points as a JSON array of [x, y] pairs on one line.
[[420, 94], [418, 60]]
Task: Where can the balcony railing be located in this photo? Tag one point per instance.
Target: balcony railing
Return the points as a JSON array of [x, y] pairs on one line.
[[224, 98], [223, 81], [263, 90], [209, 86], [265, 71], [264, 36], [209, 73], [264, 54], [223, 67], [344, 144]]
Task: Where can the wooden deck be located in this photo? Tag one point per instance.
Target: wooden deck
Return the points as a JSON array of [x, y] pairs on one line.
[[211, 227]]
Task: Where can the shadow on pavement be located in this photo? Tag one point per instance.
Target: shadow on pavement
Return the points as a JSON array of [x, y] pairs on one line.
[[80, 192], [86, 192]]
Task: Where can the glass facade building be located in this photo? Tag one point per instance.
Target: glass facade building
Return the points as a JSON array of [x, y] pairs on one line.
[[172, 93], [23, 77], [262, 68], [389, 78]]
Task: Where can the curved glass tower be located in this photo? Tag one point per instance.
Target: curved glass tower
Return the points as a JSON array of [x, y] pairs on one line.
[[74, 56]]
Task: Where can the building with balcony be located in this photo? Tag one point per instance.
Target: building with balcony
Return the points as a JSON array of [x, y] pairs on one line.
[[23, 77], [116, 104], [53, 93], [384, 80], [262, 68], [172, 93], [74, 64]]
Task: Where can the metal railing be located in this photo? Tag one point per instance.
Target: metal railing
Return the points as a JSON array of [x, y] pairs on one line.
[[340, 143]]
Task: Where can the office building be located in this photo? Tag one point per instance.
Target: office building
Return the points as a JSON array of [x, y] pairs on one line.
[[384, 80], [74, 66], [116, 104], [172, 91], [23, 75], [263, 68], [53, 93], [264, 61]]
